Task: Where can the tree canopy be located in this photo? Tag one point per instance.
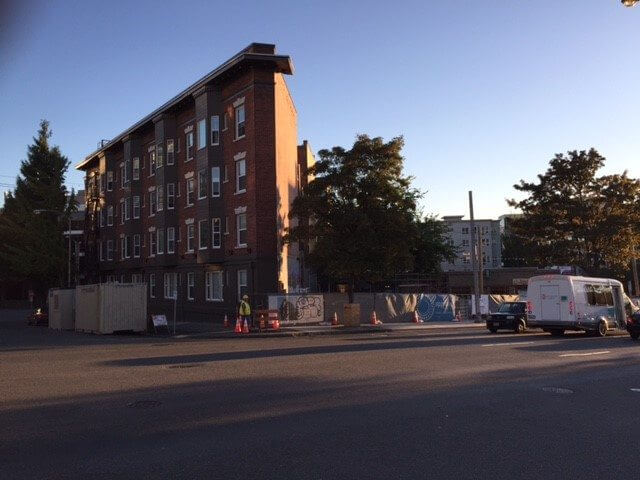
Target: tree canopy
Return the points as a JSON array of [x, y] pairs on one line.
[[33, 247], [363, 220], [574, 217]]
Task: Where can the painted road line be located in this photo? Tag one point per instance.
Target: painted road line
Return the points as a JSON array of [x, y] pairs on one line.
[[637, 390], [587, 354], [505, 344]]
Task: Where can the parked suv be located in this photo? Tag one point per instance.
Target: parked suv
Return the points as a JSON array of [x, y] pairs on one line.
[[510, 316]]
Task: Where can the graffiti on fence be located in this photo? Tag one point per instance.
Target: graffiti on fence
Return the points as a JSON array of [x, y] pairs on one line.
[[298, 308], [435, 308]]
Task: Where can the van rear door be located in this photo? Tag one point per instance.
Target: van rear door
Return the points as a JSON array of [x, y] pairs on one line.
[[550, 303]]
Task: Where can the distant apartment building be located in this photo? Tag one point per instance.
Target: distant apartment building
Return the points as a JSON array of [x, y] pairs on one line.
[[459, 235], [194, 198]]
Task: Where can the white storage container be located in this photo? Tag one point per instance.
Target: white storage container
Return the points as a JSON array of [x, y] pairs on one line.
[[111, 307], [62, 308]]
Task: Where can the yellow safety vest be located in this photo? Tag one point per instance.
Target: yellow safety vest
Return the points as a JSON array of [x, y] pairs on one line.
[[245, 309]]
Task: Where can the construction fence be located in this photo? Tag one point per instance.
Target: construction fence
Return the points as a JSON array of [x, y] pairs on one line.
[[296, 309]]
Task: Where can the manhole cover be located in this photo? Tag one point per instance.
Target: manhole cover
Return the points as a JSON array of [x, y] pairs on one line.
[[561, 391], [143, 404], [188, 365]]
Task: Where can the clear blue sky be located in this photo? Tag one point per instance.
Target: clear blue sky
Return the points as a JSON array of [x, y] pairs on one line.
[[484, 92]]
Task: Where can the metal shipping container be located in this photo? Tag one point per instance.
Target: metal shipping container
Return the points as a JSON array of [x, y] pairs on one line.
[[62, 308], [111, 307]]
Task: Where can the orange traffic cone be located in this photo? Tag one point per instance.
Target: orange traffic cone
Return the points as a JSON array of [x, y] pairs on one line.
[[334, 320], [238, 328], [416, 317], [276, 324], [245, 326], [226, 321], [262, 322], [374, 319]]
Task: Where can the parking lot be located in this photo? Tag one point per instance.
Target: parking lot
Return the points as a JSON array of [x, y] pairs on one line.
[[410, 404]]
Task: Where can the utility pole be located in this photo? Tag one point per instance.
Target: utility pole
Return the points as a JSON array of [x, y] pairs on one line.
[[472, 234], [634, 269]]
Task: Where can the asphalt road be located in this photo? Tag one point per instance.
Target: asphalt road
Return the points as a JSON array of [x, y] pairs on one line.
[[460, 404]]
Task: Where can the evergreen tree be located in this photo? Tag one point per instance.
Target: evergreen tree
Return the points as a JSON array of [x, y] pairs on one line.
[[364, 225], [34, 216]]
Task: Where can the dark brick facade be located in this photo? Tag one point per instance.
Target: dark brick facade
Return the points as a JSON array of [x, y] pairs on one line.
[[252, 81]]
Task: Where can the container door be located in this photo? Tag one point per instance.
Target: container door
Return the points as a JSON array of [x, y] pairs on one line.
[[550, 303]]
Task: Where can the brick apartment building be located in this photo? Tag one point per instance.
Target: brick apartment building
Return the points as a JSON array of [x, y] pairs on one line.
[[194, 198]]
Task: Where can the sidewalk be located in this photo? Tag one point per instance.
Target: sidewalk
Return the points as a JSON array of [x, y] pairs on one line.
[[207, 330]]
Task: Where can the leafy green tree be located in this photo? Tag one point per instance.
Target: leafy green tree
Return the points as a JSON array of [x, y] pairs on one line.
[[573, 217], [363, 220], [33, 246]]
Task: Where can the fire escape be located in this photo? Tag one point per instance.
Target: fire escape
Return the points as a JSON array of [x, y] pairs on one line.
[[91, 229]]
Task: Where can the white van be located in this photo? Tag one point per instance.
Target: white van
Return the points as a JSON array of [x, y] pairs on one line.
[[557, 303]]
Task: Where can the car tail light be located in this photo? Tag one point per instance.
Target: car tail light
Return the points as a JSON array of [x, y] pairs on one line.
[[529, 307]]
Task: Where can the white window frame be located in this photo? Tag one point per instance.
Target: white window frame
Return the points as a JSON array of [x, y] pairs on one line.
[[241, 165], [152, 162], [191, 286], [170, 151], [136, 206], [109, 250], [152, 285], [171, 240], [110, 215], [240, 273], [189, 145], [170, 285], [240, 112], [153, 206], [160, 241], [238, 229], [215, 130], [127, 208], [136, 246], [152, 243], [160, 198], [136, 168], [171, 196], [216, 233], [202, 133], [191, 234], [210, 286], [191, 194], [216, 187]]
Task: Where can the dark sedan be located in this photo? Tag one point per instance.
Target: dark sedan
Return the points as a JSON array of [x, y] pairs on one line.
[[510, 316]]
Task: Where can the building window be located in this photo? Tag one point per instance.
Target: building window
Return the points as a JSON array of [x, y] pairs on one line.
[[190, 192], [241, 176], [170, 152], [241, 229], [203, 239], [226, 174], [202, 134], [122, 175], [152, 285], [191, 285], [123, 248], [160, 195], [127, 207], [191, 232], [189, 146], [136, 245], [171, 239], [103, 181], [202, 184], [239, 122], [213, 286], [170, 285], [110, 215], [101, 251], [465, 242], [171, 193], [152, 203], [216, 237], [109, 250], [127, 248], [136, 278], [152, 244], [159, 155], [109, 181], [102, 215], [122, 211], [242, 284], [215, 130], [465, 230], [160, 240], [152, 162], [215, 181], [136, 168], [136, 206]]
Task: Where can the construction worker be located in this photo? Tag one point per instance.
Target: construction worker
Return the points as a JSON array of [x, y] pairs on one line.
[[245, 310]]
